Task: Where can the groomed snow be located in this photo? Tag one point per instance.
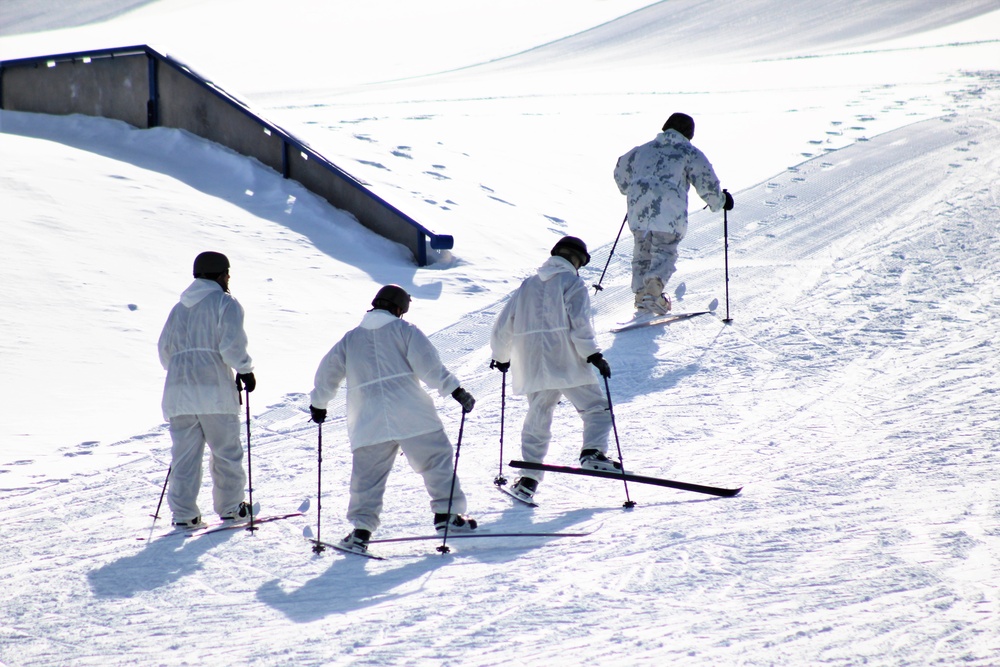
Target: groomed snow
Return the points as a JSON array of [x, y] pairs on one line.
[[853, 396]]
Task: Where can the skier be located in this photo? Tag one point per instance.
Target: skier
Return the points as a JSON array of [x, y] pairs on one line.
[[201, 342], [383, 360], [655, 178], [544, 336]]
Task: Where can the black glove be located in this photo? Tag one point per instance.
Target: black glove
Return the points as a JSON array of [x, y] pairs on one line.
[[502, 366], [318, 414], [246, 380], [465, 398], [602, 365], [728, 206]]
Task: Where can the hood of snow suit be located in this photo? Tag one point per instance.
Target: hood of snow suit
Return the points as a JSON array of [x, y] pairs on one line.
[[376, 319], [555, 265], [198, 290]]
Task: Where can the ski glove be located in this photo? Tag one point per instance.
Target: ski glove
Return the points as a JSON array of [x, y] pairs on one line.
[[728, 206], [601, 363], [502, 366], [246, 380], [318, 414], [465, 398]]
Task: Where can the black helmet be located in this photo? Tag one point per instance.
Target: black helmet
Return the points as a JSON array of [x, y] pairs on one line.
[[392, 298], [571, 245], [210, 264], [681, 122]]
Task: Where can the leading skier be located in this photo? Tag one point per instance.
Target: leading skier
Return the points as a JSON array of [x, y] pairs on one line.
[[655, 178]]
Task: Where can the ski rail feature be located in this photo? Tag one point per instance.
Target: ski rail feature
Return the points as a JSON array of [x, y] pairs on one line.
[[145, 88]]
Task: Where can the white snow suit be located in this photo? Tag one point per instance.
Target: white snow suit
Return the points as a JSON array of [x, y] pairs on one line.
[[383, 361], [655, 178], [546, 334], [201, 343]]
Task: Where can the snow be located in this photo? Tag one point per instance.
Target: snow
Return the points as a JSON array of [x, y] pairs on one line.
[[853, 396]]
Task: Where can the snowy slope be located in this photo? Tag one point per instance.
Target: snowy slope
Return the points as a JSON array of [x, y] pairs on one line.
[[853, 396]]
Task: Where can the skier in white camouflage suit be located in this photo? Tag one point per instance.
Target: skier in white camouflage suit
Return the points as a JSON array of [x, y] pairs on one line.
[[545, 337], [201, 343], [655, 178], [383, 361]]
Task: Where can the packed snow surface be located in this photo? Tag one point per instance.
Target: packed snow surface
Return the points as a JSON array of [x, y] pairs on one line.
[[853, 396]]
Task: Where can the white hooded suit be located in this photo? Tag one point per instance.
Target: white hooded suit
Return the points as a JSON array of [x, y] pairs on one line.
[[546, 334], [201, 343], [383, 361]]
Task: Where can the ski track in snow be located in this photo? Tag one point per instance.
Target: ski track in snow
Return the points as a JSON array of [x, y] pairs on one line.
[[863, 530]]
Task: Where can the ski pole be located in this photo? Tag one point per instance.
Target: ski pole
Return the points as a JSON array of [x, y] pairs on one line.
[[156, 514], [500, 480], [451, 494], [629, 503], [725, 235], [251, 527], [317, 545], [597, 287]]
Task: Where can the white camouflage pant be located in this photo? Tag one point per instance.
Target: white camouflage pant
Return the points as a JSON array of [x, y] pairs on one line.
[[654, 257], [536, 433], [430, 455], [190, 434]]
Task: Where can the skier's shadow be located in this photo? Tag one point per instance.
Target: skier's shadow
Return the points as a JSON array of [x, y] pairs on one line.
[[344, 587], [511, 520], [355, 582], [162, 562], [630, 380]]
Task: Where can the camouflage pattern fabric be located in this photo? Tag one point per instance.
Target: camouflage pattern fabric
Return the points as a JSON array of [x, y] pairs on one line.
[[655, 178], [654, 256]]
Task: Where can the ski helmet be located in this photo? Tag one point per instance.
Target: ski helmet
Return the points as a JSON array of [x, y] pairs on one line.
[[391, 298], [210, 264], [681, 122], [571, 245]]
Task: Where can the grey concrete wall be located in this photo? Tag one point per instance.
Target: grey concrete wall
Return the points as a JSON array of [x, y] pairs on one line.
[[118, 86], [188, 105], [107, 87], [370, 212]]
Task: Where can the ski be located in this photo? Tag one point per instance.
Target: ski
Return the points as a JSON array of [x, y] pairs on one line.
[[507, 492], [451, 536], [477, 533], [343, 549], [629, 477], [669, 318], [220, 526]]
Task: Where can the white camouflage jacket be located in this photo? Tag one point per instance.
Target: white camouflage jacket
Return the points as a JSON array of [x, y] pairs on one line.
[[383, 361], [545, 331], [655, 178], [201, 342]]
